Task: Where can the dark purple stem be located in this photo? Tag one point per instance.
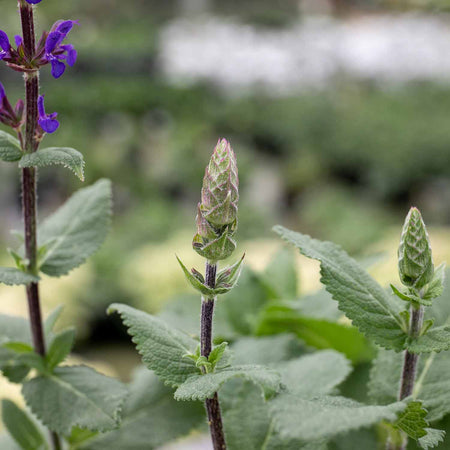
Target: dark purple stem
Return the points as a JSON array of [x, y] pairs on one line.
[[212, 404], [410, 363], [29, 193]]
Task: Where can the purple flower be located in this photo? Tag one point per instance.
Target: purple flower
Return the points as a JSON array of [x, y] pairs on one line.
[[8, 115], [47, 122], [2, 93], [34, 2], [5, 46], [56, 53]]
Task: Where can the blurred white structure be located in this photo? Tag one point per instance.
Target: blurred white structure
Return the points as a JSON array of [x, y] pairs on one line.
[[388, 49]]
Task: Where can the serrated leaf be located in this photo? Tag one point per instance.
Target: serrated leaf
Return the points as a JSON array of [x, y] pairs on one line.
[[281, 317], [412, 420], [162, 348], [362, 299], [68, 157], [77, 229], [435, 340], [217, 353], [248, 425], [93, 400], [325, 417], [436, 286], [201, 387], [10, 150], [280, 275], [60, 347], [22, 428], [14, 277], [151, 417], [432, 439], [50, 321]]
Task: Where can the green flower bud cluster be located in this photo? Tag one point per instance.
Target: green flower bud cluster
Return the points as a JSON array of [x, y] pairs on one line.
[[217, 212], [415, 261]]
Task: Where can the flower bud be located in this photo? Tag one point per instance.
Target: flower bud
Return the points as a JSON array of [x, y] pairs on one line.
[[220, 186], [415, 261], [217, 212]]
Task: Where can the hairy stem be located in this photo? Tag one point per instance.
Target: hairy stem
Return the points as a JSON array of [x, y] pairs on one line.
[[410, 364], [212, 404], [29, 188]]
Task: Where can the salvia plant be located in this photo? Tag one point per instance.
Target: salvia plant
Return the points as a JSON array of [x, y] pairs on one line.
[[264, 369]]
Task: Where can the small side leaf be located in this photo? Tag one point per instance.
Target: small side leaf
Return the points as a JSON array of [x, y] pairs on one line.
[[412, 420], [10, 150], [195, 281], [435, 340], [432, 439], [60, 347], [65, 156], [14, 277], [93, 400], [22, 428], [201, 387]]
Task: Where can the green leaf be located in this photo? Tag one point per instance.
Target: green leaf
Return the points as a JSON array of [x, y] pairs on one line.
[[410, 297], [280, 275], [151, 417], [77, 229], [432, 386], [50, 321], [435, 340], [326, 416], [315, 374], [22, 428], [436, 286], [60, 347], [362, 299], [68, 157], [228, 277], [412, 420], [195, 282], [266, 350], [432, 439], [248, 425], [92, 400], [10, 150], [12, 277], [281, 317], [162, 348], [217, 353], [8, 443], [201, 387]]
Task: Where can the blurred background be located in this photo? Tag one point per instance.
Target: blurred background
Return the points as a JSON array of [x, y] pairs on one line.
[[338, 111]]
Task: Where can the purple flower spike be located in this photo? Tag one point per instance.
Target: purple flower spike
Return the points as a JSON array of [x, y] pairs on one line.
[[56, 53], [5, 46], [18, 39], [33, 2], [47, 122]]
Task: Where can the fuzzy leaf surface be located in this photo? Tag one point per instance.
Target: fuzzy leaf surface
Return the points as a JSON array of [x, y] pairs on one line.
[[248, 425], [325, 417], [151, 417], [201, 387], [68, 157], [412, 420], [432, 439], [432, 385], [162, 347], [10, 150], [60, 347], [91, 400], [14, 277], [76, 230], [22, 428], [360, 297], [435, 340]]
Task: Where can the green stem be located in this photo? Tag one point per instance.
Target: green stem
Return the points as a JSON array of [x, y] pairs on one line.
[[29, 188]]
